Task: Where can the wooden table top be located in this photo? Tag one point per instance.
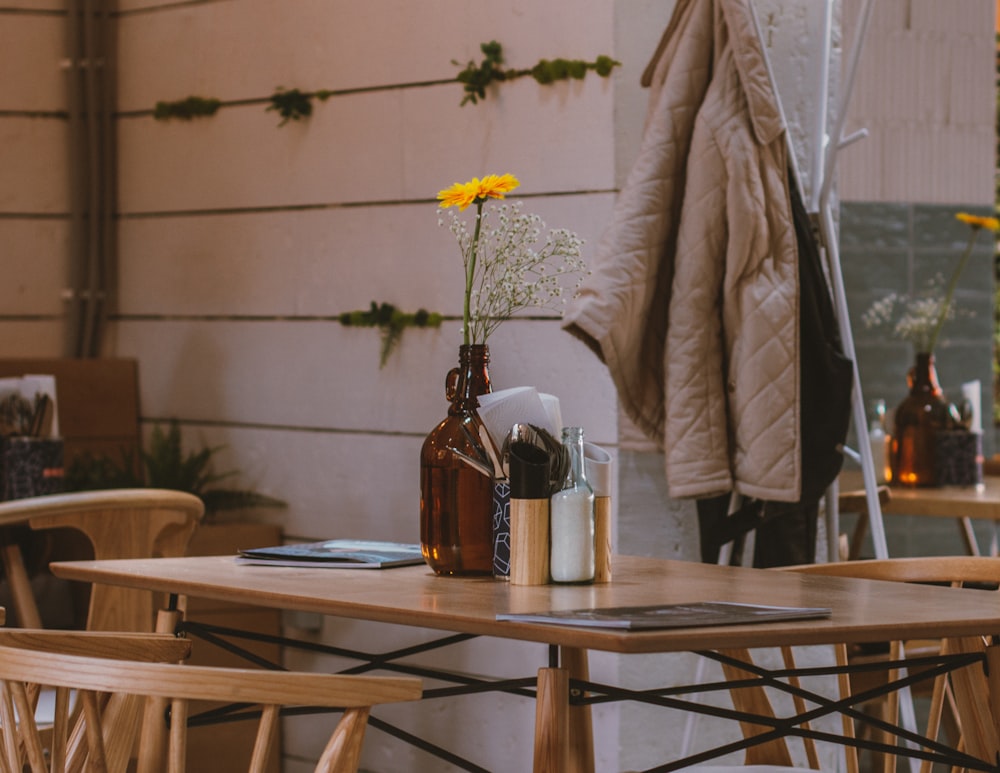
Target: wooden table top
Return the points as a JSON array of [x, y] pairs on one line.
[[863, 610], [940, 502]]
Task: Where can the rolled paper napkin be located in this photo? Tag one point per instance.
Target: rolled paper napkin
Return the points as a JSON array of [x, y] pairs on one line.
[[972, 391], [599, 466], [529, 514], [500, 410]]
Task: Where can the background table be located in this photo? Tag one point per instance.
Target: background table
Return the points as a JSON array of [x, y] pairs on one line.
[[959, 503]]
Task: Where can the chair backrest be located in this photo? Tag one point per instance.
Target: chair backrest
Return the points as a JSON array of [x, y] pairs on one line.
[[974, 704], [955, 570], [108, 726], [119, 523]]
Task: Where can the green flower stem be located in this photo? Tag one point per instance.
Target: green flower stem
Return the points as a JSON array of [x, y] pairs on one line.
[[470, 273], [952, 284]]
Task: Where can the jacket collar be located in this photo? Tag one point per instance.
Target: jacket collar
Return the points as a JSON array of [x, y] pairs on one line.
[[765, 110]]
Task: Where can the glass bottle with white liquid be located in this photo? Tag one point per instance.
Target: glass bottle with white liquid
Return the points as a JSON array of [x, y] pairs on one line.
[[571, 518]]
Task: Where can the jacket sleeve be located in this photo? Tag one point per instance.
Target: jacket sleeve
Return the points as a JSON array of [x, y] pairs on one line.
[[621, 311], [696, 435]]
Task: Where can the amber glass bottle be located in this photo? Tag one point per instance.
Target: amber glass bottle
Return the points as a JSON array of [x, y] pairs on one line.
[[918, 418], [456, 498]]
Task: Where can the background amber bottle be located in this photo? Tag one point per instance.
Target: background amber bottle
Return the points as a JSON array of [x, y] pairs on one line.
[[918, 418]]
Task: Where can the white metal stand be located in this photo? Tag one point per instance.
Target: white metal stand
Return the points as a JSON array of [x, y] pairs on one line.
[[822, 169], [821, 207]]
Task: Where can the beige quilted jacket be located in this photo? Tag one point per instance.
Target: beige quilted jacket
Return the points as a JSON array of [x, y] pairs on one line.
[[693, 302]]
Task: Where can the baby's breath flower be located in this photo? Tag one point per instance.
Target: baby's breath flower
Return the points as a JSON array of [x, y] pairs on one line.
[[505, 269], [924, 313]]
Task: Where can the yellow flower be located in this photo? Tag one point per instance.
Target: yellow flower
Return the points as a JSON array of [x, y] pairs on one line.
[[979, 222], [492, 186]]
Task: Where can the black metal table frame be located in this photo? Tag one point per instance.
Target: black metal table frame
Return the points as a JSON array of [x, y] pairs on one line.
[[587, 693]]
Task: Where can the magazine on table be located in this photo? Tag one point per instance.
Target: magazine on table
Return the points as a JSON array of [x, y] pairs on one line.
[[335, 554], [691, 615]]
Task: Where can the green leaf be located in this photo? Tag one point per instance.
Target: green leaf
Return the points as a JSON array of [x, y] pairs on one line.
[[166, 465]]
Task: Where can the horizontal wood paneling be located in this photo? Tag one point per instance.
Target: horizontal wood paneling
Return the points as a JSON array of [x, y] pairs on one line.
[[412, 143], [318, 262], [32, 44], [33, 156], [323, 375], [247, 49], [27, 7], [358, 485], [41, 337], [925, 91], [35, 265]]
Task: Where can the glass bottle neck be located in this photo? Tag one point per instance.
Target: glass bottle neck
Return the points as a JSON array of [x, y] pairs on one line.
[[923, 375], [576, 474], [470, 379]]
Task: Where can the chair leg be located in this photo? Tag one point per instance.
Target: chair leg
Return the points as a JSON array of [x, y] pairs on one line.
[[153, 739], [20, 587], [343, 751]]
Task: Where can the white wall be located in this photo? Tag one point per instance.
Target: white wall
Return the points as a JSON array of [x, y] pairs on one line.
[[240, 243], [33, 192], [926, 95]]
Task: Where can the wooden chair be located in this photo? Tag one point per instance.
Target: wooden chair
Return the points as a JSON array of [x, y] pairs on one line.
[[120, 523], [773, 756], [107, 674], [953, 570], [956, 571]]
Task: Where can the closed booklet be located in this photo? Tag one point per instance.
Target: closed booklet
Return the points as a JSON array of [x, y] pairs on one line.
[[670, 615], [335, 554]]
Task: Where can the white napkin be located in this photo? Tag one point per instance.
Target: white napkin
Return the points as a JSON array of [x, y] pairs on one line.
[[519, 405], [973, 392], [599, 468]]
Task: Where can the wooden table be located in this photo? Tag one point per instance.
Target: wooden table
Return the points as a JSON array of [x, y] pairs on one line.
[[862, 610], [959, 503]]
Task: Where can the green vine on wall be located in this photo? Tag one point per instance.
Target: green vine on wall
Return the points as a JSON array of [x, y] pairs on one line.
[[391, 323], [297, 105], [475, 78], [294, 105], [187, 109]]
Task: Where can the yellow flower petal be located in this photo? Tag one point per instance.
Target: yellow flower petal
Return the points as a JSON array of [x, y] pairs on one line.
[[459, 194], [495, 186], [492, 186], [976, 221]]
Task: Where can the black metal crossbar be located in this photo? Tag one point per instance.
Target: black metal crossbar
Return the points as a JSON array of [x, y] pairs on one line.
[[583, 693]]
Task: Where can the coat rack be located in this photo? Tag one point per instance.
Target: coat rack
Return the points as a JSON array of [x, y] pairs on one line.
[[822, 168], [821, 210]]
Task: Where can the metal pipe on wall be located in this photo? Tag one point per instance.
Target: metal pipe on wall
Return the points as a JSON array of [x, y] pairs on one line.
[[92, 249], [77, 197]]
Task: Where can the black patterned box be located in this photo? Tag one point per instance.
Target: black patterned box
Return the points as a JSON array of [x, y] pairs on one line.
[[958, 458], [501, 529], [30, 467]]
